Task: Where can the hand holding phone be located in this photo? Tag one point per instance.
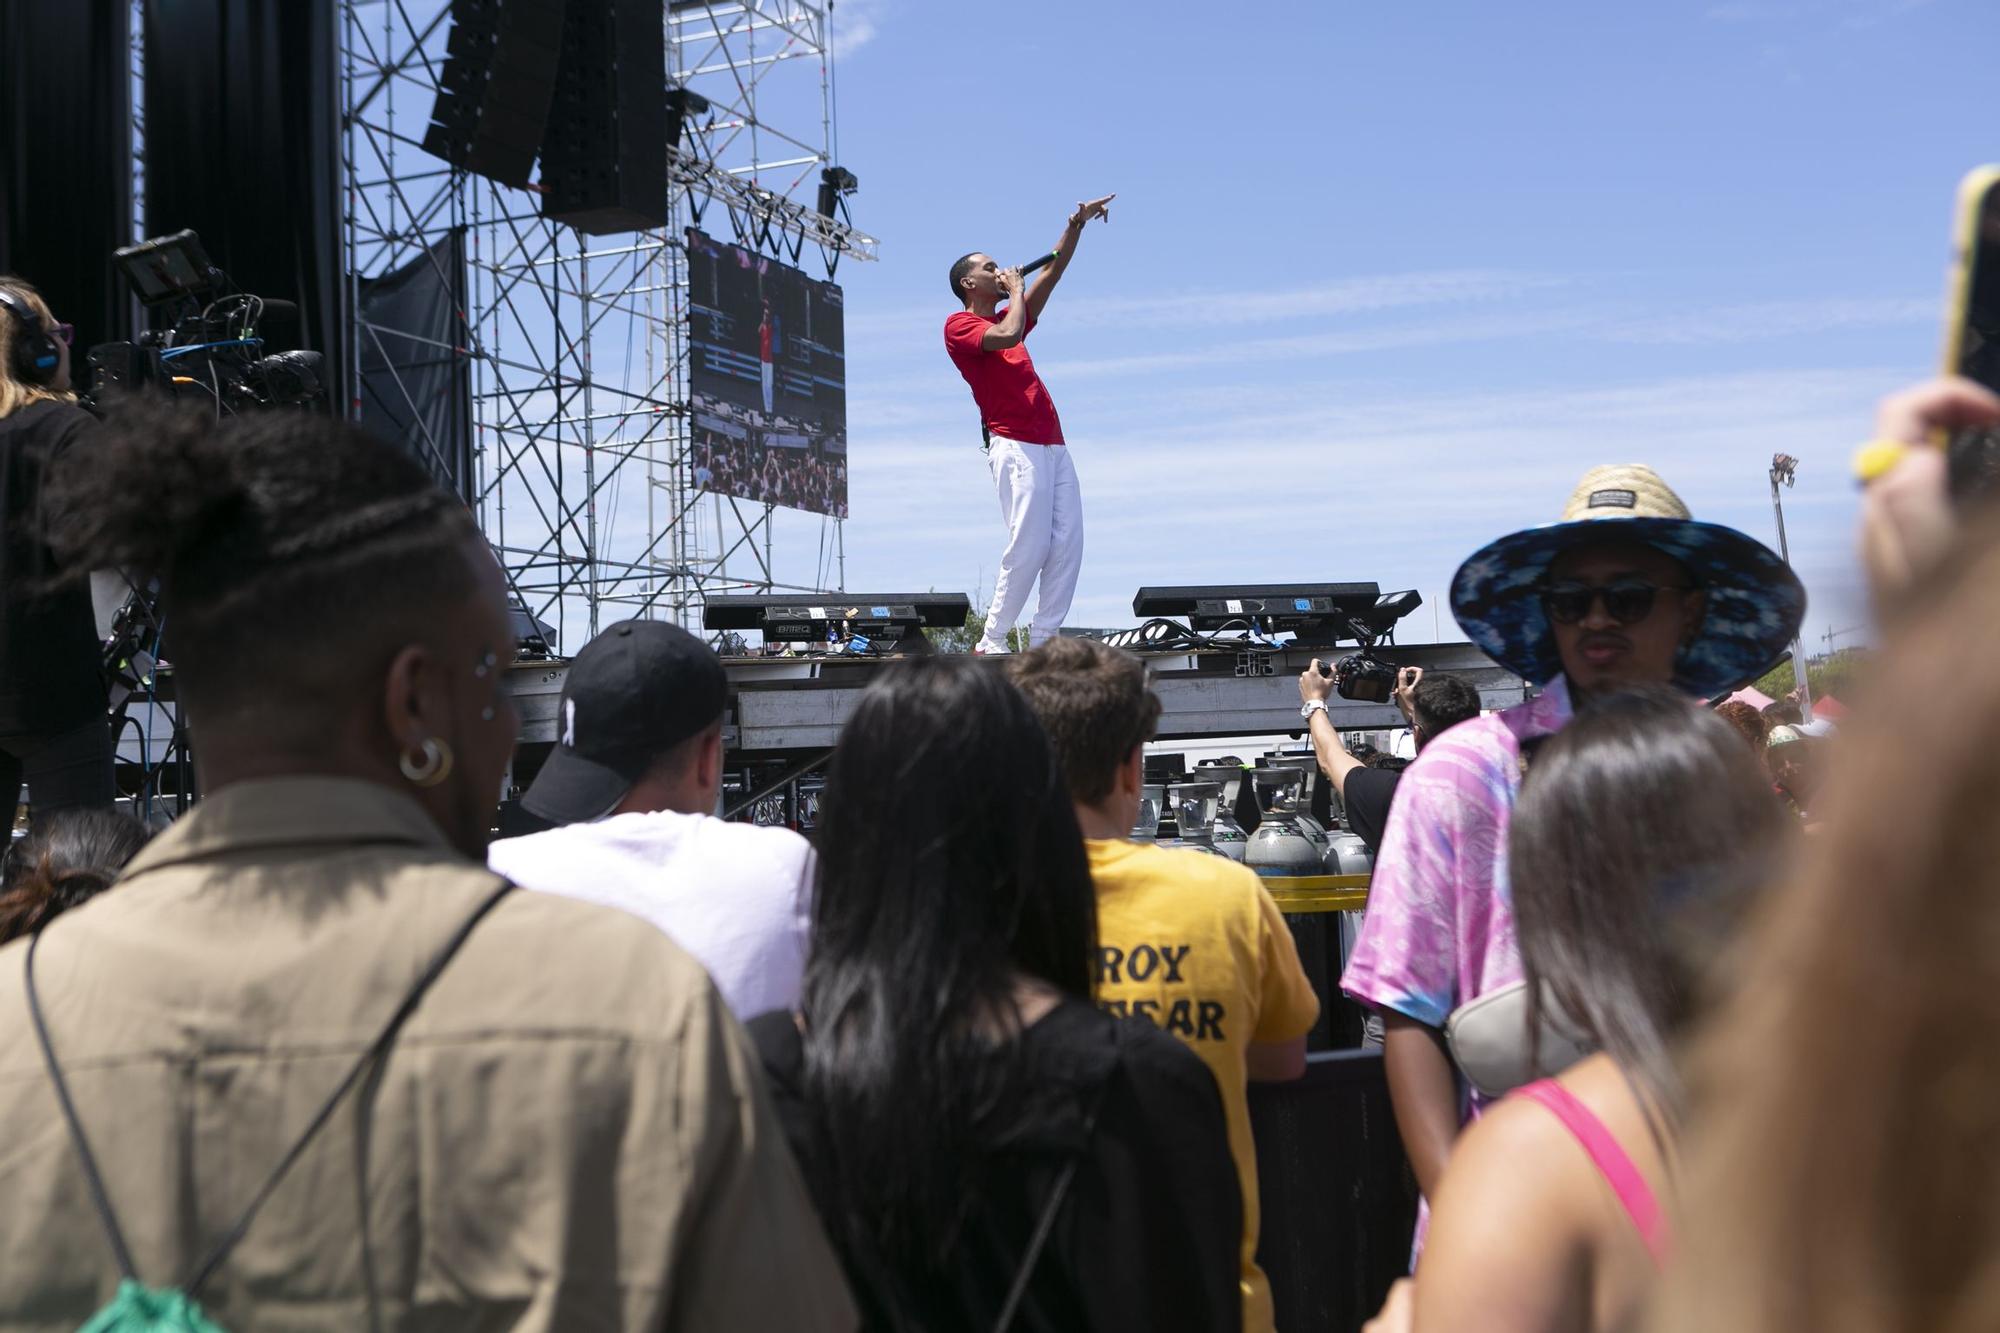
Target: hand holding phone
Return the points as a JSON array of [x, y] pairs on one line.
[[1972, 330]]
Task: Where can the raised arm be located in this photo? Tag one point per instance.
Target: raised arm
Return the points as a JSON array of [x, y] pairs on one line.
[[1072, 232], [1335, 760]]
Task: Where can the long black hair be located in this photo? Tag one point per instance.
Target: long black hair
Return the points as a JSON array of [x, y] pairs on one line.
[[1643, 830], [950, 866]]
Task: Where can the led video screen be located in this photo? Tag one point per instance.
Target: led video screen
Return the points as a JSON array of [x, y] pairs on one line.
[[768, 379]]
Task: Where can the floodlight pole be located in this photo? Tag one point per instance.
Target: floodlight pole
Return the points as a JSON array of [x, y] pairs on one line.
[[1784, 468]]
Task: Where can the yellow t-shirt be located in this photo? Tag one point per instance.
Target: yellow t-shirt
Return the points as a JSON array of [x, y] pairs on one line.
[[1194, 943]]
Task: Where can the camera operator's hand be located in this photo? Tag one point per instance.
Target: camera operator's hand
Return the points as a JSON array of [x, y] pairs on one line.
[[1406, 686], [1313, 685]]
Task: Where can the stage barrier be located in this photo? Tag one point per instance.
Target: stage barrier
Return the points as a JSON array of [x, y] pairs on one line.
[[1339, 1201]]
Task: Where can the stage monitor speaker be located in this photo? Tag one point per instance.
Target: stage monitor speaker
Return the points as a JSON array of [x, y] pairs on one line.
[[796, 618], [496, 86], [604, 158]]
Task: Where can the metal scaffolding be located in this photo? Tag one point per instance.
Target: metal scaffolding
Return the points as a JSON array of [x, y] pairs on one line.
[[578, 344]]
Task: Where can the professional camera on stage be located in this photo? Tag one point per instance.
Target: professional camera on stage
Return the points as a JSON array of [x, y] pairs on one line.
[[1362, 677], [214, 347]]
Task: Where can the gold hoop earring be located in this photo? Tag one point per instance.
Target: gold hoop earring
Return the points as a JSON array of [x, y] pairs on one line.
[[432, 766]]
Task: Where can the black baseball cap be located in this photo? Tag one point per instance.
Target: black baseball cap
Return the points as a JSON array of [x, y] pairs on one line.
[[635, 691]]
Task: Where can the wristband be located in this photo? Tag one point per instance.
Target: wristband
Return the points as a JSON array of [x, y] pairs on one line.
[[1877, 457], [1309, 707]]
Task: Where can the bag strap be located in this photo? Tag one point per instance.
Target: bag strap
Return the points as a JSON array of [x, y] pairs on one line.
[[1047, 1222], [377, 1050]]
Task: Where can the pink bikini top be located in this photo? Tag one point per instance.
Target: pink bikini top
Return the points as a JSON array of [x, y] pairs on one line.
[[1634, 1194]]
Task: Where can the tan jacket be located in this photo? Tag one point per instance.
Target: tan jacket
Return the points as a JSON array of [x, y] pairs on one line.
[[569, 1133]]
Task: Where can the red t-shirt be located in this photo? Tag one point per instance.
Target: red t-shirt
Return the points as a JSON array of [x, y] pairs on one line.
[[1012, 399], [764, 341]]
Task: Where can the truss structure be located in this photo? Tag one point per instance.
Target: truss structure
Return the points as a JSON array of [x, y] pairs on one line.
[[577, 345]]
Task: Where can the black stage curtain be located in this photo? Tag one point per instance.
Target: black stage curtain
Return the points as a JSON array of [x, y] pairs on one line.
[[416, 382], [65, 164], [243, 145]]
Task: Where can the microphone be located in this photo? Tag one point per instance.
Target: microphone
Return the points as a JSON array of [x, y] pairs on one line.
[[1043, 262]]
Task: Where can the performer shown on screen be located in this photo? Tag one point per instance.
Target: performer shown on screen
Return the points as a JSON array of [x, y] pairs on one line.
[[1031, 468], [764, 355]]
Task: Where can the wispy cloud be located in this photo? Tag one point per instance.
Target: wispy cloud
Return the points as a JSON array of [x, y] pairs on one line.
[[1848, 15], [1369, 294], [1352, 296], [855, 24], [1310, 346], [1770, 319]]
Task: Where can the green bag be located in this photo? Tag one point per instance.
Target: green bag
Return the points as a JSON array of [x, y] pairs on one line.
[[138, 1308], [141, 1309]]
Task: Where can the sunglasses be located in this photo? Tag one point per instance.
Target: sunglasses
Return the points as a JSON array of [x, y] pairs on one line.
[[1626, 601], [66, 332]]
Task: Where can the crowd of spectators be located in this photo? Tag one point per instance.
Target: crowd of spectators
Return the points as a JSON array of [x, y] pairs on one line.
[[1683, 1007], [795, 478]]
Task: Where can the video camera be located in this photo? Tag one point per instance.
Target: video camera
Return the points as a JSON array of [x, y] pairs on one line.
[[215, 348], [1362, 677]]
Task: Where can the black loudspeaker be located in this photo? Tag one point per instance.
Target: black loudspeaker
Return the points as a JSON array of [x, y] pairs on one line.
[[604, 158], [496, 86]]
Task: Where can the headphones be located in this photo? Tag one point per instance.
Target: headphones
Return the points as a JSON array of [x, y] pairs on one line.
[[34, 356]]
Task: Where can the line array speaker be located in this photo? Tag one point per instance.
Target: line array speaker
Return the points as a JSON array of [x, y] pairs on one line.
[[497, 84], [604, 158]]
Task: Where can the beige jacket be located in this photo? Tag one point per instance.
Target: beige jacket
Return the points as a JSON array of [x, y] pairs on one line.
[[569, 1133]]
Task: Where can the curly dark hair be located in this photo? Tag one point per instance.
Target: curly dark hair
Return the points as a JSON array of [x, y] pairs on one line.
[[293, 552], [1750, 724]]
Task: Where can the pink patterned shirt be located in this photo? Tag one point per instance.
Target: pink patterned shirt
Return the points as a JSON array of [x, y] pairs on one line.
[[1439, 930]]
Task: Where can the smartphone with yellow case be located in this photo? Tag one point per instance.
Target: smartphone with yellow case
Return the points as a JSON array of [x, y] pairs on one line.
[[1972, 324]]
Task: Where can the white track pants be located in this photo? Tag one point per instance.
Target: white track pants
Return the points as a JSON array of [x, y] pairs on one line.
[[1043, 508], [770, 383]]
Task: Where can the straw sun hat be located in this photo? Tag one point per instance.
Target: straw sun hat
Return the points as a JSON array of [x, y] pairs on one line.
[[1754, 601]]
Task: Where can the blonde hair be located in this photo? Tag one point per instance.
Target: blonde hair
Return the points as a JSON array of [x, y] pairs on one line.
[[1849, 1096], [16, 394]]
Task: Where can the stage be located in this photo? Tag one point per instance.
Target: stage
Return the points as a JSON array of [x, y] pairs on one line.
[[783, 706]]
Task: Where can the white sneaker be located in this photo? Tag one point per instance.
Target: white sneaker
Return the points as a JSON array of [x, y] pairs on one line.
[[986, 649]]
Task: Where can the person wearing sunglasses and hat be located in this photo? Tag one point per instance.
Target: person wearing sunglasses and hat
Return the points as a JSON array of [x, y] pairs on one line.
[[1626, 589], [53, 727]]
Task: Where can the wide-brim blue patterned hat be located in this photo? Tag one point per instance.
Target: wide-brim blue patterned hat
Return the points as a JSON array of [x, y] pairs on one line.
[[1754, 606]]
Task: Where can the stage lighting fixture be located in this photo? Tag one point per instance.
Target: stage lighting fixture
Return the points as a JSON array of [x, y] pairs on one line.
[[533, 637], [834, 184], [1156, 633], [1389, 608], [795, 618], [1314, 612], [1259, 599], [683, 104]]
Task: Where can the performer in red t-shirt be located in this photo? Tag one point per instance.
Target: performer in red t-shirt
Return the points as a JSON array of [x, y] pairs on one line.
[[1039, 499], [764, 355]]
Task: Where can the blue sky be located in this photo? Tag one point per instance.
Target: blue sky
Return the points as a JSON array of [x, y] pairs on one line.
[[1383, 280]]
